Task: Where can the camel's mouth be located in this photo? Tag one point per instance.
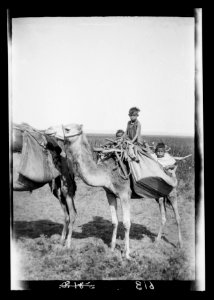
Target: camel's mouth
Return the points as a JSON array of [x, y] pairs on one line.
[[55, 131]]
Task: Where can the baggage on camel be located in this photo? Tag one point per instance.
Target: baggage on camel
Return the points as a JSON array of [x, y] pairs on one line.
[[149, 178], [36, 161]]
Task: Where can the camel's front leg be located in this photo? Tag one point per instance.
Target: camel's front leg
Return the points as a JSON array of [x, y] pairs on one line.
[[57, 192], [113, 209], [66, 217], [72, 218], [126, 221]]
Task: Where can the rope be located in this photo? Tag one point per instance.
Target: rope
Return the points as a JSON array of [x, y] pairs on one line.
[[126, 177], [41, 144], [30, 132], [26, 129]]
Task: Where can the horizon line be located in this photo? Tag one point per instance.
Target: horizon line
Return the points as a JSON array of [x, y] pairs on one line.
[[112, 132], [146, 133]]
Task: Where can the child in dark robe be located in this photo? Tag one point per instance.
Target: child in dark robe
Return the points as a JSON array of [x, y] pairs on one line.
[[133, 132]]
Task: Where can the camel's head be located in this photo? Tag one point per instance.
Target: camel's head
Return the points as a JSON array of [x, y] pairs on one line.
[[55, 131], [65, 132]]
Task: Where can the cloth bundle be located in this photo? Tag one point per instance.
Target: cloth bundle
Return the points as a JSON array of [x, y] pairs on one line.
[[36, 162], [149, 178]]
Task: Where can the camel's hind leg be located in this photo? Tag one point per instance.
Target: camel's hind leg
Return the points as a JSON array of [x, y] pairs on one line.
[[125, 203], [113, 209], [163, 217], [174, 202]]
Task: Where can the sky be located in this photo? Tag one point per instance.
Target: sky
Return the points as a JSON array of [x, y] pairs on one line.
[[91, 70]]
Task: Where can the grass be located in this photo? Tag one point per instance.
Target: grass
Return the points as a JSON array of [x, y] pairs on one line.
[[38, 222], [94, 261]]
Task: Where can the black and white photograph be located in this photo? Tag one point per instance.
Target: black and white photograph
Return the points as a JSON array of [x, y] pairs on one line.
[[106, 129]]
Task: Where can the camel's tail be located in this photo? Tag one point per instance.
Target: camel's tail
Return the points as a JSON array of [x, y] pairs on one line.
[[167, 203]]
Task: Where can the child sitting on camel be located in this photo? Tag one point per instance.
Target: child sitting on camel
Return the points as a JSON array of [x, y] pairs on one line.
[[165, 159], [133, 132], [119, 134]]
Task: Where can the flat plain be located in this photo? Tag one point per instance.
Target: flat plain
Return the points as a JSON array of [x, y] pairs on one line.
[[38, 219]]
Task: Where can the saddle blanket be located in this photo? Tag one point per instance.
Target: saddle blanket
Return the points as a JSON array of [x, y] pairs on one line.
[[36, 162], [149, 178]]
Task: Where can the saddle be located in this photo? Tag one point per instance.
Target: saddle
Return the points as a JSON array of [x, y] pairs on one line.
[[37, 162]]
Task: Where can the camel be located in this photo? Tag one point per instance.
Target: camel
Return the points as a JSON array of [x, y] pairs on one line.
[[63, 187], [79, 154]]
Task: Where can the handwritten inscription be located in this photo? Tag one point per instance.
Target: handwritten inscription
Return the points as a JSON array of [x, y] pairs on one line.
[[140, 285], [146, 285], [81, 285]]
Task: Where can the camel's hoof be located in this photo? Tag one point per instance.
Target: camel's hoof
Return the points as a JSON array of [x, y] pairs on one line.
[[180, 245], [112, 248], [157, 241], [128, 257], [62, 242], [68, 245]]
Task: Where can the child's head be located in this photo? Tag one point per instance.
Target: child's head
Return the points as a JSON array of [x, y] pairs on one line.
[[134, 113], [119, 133], [160, 150]]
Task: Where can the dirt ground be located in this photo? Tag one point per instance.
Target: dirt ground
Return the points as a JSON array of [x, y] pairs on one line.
[[37, 224]]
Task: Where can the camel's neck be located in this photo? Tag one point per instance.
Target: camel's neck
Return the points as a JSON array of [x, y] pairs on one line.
[[88, 170]]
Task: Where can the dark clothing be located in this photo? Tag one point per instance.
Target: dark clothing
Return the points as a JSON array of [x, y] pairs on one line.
[[132, 130], [52, 144]]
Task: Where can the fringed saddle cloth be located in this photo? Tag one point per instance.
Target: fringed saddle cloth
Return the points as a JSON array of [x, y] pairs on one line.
[[149, 178], [36, 162]]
